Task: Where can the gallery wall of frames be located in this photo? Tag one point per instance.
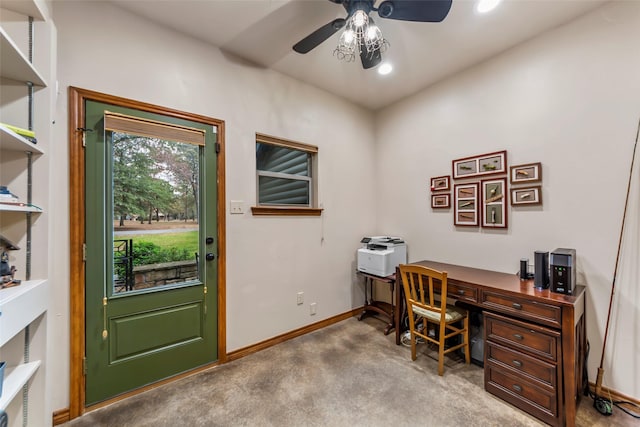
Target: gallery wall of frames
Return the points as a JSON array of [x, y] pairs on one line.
[[483, 187]]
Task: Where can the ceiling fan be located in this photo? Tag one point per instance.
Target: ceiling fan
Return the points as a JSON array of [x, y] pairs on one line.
[[362, 37]]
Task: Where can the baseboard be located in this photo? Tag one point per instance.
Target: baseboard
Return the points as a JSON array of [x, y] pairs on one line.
[[61, 416], [237, 354], [607, 393]]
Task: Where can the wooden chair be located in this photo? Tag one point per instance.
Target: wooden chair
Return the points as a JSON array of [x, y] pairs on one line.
[[430, 307]]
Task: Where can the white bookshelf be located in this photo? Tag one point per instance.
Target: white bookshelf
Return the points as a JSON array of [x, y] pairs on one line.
[[25, 100], [14, 65], [25, 7], [11, 141], [20, 306], [19, 208], [15, 379]]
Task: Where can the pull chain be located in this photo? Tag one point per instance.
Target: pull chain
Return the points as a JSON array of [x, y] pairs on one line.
[[105, 334], [205, 299]]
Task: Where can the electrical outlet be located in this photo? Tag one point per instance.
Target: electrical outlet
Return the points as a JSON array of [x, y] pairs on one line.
[[236, 207], [312, 308], [300, 298]]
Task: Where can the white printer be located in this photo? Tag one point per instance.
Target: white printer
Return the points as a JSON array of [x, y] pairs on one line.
[[380, 255]]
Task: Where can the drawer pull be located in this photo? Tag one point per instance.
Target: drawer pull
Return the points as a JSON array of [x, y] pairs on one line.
[[460, 291], [518, 337], [517, 363], [517, 388], [517, 306]]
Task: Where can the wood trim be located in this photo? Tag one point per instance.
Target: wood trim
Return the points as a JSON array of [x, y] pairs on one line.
[[285, 211], [273, 140], [77, 99], [222, 246], [76, 240], [237, 354], [61, 416]]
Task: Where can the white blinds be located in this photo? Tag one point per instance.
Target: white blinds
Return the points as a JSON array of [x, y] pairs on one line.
[[117, 122]]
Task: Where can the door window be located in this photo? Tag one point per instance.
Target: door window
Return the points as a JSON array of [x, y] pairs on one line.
[[155, 197]]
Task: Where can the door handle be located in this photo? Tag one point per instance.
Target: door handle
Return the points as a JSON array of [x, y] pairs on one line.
[[209, 240], [210, 256]]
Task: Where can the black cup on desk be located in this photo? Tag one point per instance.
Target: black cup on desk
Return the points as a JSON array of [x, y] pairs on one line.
[[524, 268]]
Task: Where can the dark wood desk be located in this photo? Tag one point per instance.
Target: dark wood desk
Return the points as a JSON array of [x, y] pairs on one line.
[[381, 307], [535, 340]]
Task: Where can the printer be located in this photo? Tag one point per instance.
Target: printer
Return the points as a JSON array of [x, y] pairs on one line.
[[380, 255]]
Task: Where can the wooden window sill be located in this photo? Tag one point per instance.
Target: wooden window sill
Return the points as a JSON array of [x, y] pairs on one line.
[[285, 211]]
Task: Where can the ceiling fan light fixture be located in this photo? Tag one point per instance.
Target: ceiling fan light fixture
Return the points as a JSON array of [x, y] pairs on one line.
[[347, 49], [348, 37], [361, 35], [360, 18], [373, 39]]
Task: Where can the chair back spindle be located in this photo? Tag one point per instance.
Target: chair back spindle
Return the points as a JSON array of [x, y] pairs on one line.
[[428, 305]]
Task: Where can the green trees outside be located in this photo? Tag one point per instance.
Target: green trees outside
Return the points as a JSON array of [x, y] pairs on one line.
[[152, 177], [153, 180]]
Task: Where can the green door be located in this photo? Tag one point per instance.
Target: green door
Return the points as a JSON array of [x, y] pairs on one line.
[[151, 248]]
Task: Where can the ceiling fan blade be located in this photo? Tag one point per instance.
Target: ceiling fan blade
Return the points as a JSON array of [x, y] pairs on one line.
[[370, 60], [318, 36], [415, 10]]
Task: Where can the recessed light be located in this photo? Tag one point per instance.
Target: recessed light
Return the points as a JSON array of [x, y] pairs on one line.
[[484, 6], [385, 69]]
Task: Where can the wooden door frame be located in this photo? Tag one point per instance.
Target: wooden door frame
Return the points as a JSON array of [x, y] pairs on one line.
[[77, 98]]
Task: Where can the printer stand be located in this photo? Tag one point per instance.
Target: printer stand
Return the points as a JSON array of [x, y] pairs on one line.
[[380, 307]]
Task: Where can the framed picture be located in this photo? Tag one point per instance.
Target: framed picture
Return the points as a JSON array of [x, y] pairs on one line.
[[441, 201], [465, 204], [485, 164], [522, 174], [526, 196], [441, 183], [494, 203]]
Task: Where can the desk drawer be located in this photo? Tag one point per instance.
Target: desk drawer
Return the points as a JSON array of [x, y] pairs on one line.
[[461, 292], [536, 370], [521, 336], [537, 401], [530, 309]]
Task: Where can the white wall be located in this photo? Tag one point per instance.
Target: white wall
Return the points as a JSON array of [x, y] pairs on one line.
[[569, 99], [269, 259]]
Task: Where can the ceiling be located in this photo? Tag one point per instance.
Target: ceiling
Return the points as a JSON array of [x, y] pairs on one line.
[[263, 32]]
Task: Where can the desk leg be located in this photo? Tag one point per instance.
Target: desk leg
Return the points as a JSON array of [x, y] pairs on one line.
[[366, 298], [397, 312], [383, 308]]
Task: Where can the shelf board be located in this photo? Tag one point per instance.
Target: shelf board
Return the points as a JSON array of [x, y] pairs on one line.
[[19, 208], [11, 141], [14, 65], [25, 7], [15, 379], [20, 305]]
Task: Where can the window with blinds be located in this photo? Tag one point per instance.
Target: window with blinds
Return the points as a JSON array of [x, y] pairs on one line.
[[285, 172]]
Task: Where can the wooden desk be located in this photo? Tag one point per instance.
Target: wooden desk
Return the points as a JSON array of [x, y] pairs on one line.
[[381, 307], [535, 340]]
